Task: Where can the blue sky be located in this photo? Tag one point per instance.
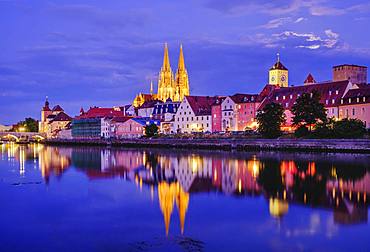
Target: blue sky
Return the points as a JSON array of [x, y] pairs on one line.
[[86, 53]]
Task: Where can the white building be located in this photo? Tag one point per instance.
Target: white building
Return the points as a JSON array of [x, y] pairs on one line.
[[194, 114]]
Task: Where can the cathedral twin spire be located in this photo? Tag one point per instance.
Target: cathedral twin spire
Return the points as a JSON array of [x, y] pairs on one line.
[[168, 86]]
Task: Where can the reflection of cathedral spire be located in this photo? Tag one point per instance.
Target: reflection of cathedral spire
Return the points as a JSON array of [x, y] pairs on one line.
[[182, 202], [166, 195]]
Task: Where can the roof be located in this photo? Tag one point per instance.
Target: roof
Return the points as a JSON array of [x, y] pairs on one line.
[[61, 117], [363, 95], [278, 65], [244, 98], [201, 105], [310, 79], [57, 108], [349, 65], [329, 92], [146, 121], [167, 107], [96, 112], [219, 100], [121, 119], [51, 116], [149, 104]]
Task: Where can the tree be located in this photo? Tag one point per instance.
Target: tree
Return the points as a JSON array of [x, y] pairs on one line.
[[349, 128], [151, 130], [270, 120], [308, 110], [28, 125]]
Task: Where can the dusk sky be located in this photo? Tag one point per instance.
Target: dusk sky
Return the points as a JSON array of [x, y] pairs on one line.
[[87, 53]]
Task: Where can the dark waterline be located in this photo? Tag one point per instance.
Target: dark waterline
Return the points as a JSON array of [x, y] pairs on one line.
[[110, 199]]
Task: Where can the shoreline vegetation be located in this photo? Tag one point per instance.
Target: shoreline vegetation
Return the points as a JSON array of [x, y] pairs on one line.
[[229, 144]]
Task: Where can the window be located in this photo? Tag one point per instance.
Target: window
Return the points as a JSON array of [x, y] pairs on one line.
[[358, 99], [326, 102], [283, 97], [185, 113], [336, 92], [286, 105], [363, 99], [214, 116], [349, 100], [277, 98], [353, 112], [291, 96], [333, 101], [329, 92]]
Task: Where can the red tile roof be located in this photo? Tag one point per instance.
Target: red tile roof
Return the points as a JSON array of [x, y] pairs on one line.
[[244, 98], [57, 108], [357, 96], [201, 105], [96, 112], [121, 119], [329, 92], [61, 117], [310, 79], [150, 104]]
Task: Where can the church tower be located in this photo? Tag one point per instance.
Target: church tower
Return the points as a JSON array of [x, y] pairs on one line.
[[278, 74], [165, 79], [181, 79]]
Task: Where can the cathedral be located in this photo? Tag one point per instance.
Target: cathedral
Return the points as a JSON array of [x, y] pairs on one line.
[[170, 86]]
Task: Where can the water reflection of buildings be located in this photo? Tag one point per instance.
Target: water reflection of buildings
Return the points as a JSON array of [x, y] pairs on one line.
[[339, 183]]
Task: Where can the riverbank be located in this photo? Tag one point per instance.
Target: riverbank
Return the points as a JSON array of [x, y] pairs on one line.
[[302, 145]]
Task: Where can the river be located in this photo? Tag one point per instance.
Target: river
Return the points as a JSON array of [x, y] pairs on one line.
[[116, 199]]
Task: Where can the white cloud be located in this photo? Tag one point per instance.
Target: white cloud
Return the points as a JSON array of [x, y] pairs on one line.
[[309, 40], [298, 20], [275, 23]]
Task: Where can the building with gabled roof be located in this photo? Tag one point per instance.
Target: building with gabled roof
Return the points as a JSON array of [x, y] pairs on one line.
[[238, 112], [194, 114], [330, 93], [356, 104], [52, 120]]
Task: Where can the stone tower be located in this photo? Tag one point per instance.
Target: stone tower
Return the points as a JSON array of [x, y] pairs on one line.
[[181, 79]]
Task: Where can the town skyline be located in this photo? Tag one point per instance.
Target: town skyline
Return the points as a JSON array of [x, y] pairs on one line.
[[89, 56]]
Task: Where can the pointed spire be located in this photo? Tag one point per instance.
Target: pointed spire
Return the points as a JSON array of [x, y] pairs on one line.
[[278, 57], [166, 59], [151, 87], [181, 65]]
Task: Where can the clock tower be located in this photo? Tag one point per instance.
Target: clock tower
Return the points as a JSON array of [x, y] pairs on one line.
[[278, 74]]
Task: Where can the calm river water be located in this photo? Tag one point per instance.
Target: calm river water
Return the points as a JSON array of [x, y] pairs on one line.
[[107, 199]]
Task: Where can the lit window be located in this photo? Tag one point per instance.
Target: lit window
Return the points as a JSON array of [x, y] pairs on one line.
[[291, 96], [329, 92], [277, 97], [336, 92], [333, 101], [283, 97]]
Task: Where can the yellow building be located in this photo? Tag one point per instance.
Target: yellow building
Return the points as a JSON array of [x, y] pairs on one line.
[[169, 86], [278, 74]]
